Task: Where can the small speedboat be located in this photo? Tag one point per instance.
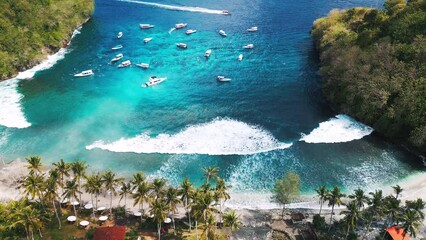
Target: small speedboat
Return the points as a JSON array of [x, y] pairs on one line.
[[153, 80], [143, 65], [190, 31], [225, 12], [146, 26], [248, 46], [240, 57], [208, 53], [252, 29], [222, 33], [84, 73], [117, 57], [223, 79], [117, 47], [120, 34], [181, 45], [146, 40], [180, 25], [125, 64]]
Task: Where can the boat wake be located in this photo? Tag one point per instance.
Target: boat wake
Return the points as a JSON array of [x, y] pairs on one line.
[[171, 30], [177, 8], [218, 137], [341, 128], [11, 114]]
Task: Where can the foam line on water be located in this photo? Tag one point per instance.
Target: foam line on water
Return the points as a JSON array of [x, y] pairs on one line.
[[11, 114], [341, 128], [177, 8], [218, 137]]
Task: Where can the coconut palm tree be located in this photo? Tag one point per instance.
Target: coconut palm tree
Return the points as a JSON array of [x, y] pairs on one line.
[[27, 217], [359, 198], [221, 194], [51, 191], [398, 190], [157, 187], [322, 194], [159, 209], [417, 206], [232, 221], [35, 164], [204, 203], [71, 191], [137, 178], [110, 182], [375, 209], [172, 199], [63, 169], [209, 227], [186, 192], [126, 188], [142, 195], [79, 170], [33, 186], [93, 186], [410, 221], [210, 173], [392, 208], [334, 198], [352, 214]]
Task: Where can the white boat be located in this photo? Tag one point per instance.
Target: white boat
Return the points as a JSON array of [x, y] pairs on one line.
[[240, 57], [117, 47], [252, 29], [222, 33], [143, 65], [190, 31], [84, 73], [153, 80], [248, 46], [146, 40], [223, 79], [145, 26], [120, 34], [208, 52], [125, 64], [226, 12], [180, 25], [181, 45], [117, 57]]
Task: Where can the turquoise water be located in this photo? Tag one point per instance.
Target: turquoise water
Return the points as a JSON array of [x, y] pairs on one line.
[[251, 127]]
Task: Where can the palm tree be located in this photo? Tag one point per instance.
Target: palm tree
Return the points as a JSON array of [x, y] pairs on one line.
[[186, 191], [63, 170], [137, 178], [334, 198], [141, 195], [398, 190], [221, 194], [375, 209], [51, 194], [411, 220], [27, 217], [210, 173], [322, 194], [391, 208], [204, 203], [34, 164], [110, 182], [159, 209], [352, 214], [232, 221], [71, 191], [172, 199], [79, 170], [359, 198], [33, 185], [126, 188], [93, 186], [157, 187], [417, 206], [209, 227]]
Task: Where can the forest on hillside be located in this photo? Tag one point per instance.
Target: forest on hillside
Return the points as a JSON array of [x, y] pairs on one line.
[[373, 63], [31, 29]]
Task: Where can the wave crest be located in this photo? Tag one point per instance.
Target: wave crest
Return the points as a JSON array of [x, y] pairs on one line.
[[219, 137], [11, 114], [341, 128]]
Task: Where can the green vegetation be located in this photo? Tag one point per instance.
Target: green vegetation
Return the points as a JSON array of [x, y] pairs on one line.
[[362, 211], [286, 189], [32, 29], [373, 65], [41, 214]]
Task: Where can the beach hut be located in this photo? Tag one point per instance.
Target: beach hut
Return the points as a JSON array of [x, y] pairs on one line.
[[110, 233], [397, 233]]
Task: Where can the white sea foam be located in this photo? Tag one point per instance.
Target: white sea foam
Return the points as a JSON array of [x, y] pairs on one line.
[[218, 137], [177, 8], [341, 128], [11, 114]]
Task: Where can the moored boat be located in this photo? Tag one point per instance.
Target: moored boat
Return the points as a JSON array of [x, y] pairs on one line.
[[143, 65], [190, 31], [180, 25], [208, 53], [222, 33], [117, 47], [84, 73], [181, 45], [119, 35], [153, 80], [248, 46], [146, 40], [240, 57], [146, 26], [125, 64], [117, 57], [223, 79], [252, 29]]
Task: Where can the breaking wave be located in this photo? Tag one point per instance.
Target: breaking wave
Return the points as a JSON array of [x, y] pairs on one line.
[[219, 137], [341, 128], [177, 8], [11, 114]]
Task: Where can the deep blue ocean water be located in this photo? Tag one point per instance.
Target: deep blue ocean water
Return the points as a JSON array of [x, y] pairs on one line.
[[251, 127]]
